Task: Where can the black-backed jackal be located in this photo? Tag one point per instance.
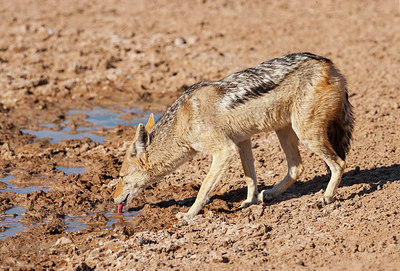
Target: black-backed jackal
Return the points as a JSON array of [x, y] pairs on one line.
[[301, 96]]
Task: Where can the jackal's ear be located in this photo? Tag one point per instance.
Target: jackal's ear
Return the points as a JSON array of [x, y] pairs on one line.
[[150, 123], [141, 139]]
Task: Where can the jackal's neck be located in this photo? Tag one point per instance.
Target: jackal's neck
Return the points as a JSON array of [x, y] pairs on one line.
[[166, 153], [167, 150]]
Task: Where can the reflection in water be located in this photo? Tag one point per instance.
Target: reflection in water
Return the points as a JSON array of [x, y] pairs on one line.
[[75, 223]]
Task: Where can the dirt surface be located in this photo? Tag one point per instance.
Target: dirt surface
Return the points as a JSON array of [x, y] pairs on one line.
[[56, 56]]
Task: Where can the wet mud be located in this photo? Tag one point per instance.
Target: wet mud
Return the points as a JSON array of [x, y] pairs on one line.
[[76, 77]]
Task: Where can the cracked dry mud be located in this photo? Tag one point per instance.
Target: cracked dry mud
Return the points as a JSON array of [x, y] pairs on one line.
[[57, 56]]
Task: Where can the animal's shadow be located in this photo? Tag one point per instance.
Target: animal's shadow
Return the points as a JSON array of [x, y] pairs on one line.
[[375, 177]]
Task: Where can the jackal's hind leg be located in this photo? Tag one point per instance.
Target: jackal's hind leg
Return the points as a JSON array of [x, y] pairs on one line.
[[246, 156], [289, 143], [220, 164], [321, 146], [336, 166]]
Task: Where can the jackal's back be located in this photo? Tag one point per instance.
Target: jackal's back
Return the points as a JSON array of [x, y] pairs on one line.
[[252, 83]]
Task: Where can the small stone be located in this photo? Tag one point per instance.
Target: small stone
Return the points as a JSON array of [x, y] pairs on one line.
[[219, 257], [63, 241], [180, 42]]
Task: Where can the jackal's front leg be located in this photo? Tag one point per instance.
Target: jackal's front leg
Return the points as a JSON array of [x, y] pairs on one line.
[[246, 156], [220, 163]]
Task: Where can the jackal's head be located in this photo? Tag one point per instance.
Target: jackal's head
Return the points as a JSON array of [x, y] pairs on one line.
[[134, 175]]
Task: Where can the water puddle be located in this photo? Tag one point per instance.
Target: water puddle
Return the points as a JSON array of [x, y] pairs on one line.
[[98, 118], [9, 222], [109, 117], [58, 136], [72, 170], [20, 190]]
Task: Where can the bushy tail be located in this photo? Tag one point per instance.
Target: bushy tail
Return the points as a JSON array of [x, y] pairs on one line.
[[340, 130]]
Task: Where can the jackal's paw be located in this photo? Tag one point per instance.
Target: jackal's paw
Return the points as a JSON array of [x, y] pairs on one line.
[[246, 203], [324, 200], [184, 216], [266, 195]]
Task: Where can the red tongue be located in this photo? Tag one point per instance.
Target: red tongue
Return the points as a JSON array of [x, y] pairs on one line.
[[120, 208]]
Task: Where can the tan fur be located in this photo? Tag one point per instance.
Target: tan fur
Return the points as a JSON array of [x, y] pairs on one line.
[[300, 107]]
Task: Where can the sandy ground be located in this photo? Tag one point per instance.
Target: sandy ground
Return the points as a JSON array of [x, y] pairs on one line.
[[56, 56]]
